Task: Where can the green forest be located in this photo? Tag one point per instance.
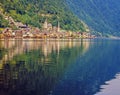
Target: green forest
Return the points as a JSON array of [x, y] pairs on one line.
[[3, 22], [101, 15], [34, 12]]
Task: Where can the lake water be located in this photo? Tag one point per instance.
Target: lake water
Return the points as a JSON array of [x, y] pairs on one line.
[[60, 67]]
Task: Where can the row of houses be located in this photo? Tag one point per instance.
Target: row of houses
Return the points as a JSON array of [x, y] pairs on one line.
[[47, 31], [37, 33]]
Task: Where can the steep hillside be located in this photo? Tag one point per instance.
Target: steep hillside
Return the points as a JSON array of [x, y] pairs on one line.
[[101, 15], [34, 12]]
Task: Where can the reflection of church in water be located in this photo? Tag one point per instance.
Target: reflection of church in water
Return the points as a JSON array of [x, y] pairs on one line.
[[11, 71]]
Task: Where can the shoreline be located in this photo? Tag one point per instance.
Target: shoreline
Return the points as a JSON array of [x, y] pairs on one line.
[[47, 39]]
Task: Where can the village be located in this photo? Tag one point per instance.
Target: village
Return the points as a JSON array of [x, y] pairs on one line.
[[48, 31]]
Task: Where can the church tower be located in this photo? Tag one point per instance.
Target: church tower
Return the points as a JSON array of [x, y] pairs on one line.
[[45, 25], [58, 28]]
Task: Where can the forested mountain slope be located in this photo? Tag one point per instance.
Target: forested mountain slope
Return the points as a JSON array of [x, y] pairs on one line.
[[101, 15], [34, 12]]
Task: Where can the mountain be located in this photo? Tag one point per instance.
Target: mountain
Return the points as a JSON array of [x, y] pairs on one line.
[[101, 15], [34, 12]]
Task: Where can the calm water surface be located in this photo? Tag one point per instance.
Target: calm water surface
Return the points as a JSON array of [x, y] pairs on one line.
[[60, 67]]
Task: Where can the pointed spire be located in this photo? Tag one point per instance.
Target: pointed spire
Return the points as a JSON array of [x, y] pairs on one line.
[[45, 24], [58, 28]]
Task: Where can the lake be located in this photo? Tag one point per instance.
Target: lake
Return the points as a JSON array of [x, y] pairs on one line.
[[60, 67]]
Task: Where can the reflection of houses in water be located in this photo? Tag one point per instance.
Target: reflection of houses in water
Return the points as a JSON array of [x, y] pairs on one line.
[[17, 47], [10, 73]]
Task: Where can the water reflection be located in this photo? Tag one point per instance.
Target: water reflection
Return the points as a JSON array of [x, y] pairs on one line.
[[85, 77], [17, 47], [59, 67], [33, 67]]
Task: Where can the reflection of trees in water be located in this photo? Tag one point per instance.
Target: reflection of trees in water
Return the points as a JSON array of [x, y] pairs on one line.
[[98, 65], [36, 66], [17, 47], [2, 50]]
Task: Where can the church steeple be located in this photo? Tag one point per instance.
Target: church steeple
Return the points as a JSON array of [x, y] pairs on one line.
[[58, 28], [45, 25]]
